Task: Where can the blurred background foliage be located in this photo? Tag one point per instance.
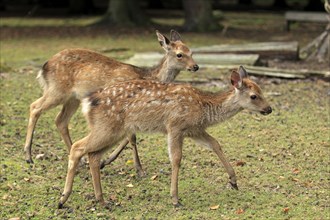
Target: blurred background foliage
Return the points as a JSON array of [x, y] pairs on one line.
[[199, 15]]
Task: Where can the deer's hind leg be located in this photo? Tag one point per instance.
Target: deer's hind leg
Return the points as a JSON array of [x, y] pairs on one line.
[[120, 148], [38, 107], [115, 153], [137, 162]]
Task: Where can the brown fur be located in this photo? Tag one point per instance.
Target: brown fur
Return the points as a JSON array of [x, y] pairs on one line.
[[174, 109], [72, 74]]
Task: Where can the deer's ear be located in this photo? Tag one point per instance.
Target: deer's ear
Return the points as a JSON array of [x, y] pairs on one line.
[[236, 79], [175, 36], [242, 72], [163, 41]]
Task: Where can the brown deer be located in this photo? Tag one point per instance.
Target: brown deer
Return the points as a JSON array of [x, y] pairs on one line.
[[174, 109], [73, 73]]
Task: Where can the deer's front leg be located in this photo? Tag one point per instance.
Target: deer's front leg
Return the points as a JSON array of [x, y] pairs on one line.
[[213, 144], [175, 153]]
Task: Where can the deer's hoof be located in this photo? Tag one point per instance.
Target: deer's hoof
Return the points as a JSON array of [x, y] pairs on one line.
[[60, 205], [141, 174], [233, 185], [29, 160], [107, 205], [178, 205]]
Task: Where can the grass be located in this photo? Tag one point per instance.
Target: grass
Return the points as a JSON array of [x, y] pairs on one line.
[[281, 160]]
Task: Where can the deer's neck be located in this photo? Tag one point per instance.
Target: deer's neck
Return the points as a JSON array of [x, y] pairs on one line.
[[164, 71], [220, 107]]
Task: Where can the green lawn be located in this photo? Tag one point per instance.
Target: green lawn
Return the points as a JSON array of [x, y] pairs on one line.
[[281, 160]]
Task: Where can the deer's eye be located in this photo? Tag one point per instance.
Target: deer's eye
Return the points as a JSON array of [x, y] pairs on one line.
[[253, 97], [179, 55]]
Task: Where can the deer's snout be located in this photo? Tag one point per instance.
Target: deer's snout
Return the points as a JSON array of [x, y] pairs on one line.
[[267, 110], [194, 68]]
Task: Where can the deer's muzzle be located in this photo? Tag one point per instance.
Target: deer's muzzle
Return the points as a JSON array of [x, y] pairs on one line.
[[194, 68], [266, 111]]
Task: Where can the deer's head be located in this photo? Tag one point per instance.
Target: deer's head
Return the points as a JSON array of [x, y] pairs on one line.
[[179, 55], [248, 93]]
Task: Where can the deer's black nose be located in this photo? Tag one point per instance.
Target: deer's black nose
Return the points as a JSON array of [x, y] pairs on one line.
[[267, 110], [195, 67]]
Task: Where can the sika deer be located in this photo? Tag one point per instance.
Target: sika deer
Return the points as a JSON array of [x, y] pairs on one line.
[[73, 73], [174, 109]]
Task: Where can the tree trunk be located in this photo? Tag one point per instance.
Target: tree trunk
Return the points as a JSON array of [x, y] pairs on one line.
[[124, 13], [199, 16]]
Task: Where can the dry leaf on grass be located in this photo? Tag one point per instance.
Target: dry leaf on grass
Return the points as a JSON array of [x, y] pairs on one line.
[[239, 211], [215, 207], [27, 179], [129, 162], [295, 180], [130, 185], [113, 197], [240, 163], [295, 171], [154, 177]]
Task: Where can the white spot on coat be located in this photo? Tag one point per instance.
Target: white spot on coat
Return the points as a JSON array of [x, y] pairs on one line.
[[108, 101]]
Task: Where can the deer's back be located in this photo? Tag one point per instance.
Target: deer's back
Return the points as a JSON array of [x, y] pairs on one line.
[[145, 106], [83, 71]]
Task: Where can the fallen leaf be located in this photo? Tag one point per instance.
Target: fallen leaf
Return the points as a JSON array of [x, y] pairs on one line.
[[240, 163], [40, 156], [154, 177], [295, 179], [130, 185], [215, 207], [286, 210], [129, 162], [15, 218], [27, 179], [100, 214], [239, 211], [113, 197], [5, 197], [295, 171], [10, 186], [308, 184]]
